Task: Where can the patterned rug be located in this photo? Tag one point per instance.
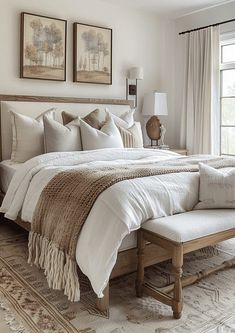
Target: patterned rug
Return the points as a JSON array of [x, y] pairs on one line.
[[28, 306]]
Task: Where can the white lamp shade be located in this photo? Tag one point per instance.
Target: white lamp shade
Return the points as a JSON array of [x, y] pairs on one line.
[[155, 104], [136, 73]]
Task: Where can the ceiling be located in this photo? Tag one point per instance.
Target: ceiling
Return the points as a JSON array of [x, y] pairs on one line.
[[170, 8]]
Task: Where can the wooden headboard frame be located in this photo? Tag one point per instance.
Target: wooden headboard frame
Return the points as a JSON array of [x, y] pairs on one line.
[[49, 99]]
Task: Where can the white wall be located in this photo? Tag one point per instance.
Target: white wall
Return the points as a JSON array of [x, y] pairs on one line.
[[199, 19], [139, 39]]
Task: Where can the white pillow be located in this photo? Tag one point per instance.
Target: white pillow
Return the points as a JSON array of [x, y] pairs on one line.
[[126, 120], [130, 130], [27, 135], [58, 137], [217, 188], [107, 137]]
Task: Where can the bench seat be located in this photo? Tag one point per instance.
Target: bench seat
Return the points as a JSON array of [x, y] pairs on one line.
[[192, 225], [180, 234]]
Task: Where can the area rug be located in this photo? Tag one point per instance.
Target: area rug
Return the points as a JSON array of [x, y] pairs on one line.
[[29, 306]]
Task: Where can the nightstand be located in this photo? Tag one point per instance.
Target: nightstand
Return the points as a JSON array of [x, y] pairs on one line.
[[178, 151]]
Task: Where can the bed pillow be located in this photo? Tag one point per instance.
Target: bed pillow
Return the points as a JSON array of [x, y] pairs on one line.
[[132, 137], [27, 135], [58, 137], [217, 188], [107, 137], [93, 118], [130, 130], [125, 120], [67, 117]]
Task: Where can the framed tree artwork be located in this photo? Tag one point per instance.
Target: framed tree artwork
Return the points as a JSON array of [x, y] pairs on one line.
[[92, 54], [43, 47]]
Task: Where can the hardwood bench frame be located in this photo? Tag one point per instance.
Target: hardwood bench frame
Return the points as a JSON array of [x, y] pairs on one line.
[[177, 251]]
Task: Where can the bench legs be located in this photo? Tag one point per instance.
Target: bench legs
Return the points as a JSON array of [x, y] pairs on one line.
[[177, 262], [175, 301], [140, 264], [176, 250]]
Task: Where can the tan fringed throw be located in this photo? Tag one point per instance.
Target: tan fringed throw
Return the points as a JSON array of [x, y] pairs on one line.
[[62, 209]]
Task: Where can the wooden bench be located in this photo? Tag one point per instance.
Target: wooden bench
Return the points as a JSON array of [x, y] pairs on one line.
[[180, 234]]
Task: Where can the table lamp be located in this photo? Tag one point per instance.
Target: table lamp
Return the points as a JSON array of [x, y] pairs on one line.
[[155, 104]]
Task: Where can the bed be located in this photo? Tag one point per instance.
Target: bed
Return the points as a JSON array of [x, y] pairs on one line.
[[108, 234], [126, 260], [7, 171]]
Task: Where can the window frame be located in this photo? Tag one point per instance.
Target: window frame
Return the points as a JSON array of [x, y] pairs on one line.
[[230, 40]]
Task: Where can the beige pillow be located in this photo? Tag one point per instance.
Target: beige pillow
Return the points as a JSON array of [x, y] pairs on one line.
[[67, 117], [27, 135], [58, 137], [107, 137], [217, 188], [132, 137], [93, 118]]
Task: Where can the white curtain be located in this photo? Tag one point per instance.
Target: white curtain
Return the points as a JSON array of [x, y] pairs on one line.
[[200, 118]]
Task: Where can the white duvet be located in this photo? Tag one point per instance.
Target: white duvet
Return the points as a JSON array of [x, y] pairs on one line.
[[118, 211]]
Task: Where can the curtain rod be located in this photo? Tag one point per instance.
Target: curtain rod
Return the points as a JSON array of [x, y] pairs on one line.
[[207, 26]]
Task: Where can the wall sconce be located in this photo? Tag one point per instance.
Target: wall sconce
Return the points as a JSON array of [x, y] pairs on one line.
[[135, 73]]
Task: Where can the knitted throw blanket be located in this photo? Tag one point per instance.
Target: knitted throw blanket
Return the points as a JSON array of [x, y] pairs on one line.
[[62, 210]]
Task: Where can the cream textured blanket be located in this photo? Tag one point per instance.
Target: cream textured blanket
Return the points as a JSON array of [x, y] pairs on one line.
[[63, 208]]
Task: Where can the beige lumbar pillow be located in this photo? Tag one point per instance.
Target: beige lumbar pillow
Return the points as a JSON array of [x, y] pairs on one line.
[[130, 130], [27, 135], [107, 137], [217, 188], [93, 118], [58, 138]]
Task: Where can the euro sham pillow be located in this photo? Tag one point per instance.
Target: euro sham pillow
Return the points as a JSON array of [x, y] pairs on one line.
[[27, 135], [130, 130], [217, 188], [93, 118], [59, 138], [107, 137]]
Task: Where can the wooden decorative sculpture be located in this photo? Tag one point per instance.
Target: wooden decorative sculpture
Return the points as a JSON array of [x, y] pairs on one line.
[[153, 129]]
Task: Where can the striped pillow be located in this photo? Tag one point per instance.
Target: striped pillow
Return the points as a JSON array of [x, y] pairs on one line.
[[132, 137], [130, 130]]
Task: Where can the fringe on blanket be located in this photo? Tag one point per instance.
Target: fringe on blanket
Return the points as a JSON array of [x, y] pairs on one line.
[[60, 270]]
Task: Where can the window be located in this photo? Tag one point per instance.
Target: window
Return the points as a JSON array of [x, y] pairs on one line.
[[227, 97]]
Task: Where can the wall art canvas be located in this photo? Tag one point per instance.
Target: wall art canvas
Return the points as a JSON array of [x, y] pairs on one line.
[[92, 54], [43, 47]]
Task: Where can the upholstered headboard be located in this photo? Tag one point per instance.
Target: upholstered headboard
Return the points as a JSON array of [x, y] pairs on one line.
[[33, 106]]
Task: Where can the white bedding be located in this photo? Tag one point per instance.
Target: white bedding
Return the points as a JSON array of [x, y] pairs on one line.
[[118, 211], [7, 171]]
